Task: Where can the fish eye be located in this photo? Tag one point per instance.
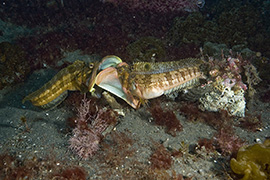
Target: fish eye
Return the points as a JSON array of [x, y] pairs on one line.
[[91, 65], [147, 66]]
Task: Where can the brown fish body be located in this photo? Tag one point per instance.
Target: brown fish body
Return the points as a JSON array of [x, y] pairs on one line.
[[134, 84], [150, 80], [55, 91]]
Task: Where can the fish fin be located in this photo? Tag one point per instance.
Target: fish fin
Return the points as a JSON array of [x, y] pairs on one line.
[[54, 103]]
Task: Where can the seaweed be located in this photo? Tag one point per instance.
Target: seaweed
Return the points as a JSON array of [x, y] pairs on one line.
[[161, 158], [207, 143], [165, 117], [252, 122], [253, 162], [38, 168], [74, 173], [213, 119], [91, 128], [224, 140]]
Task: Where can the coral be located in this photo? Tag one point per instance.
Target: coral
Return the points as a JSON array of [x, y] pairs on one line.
[[227, 90], [13, 65], [90, 129], [227, 99], [147, 49], [253, 162], [165, 117]]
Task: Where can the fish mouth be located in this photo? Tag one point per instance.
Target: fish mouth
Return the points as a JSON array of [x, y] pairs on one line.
[[108, 80]]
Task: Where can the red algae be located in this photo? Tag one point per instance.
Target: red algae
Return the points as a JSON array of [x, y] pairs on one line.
[[90, 128], [207, 143], [118, 149], [36, 168], [74, 173], [117, 158], [250, 122], [225, 140], [215, 119], [161, 158], [165, 117]]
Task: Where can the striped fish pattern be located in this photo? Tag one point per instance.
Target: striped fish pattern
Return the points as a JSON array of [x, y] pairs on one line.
[[132, 83], [144, 80], [151, 80], [73, 77]]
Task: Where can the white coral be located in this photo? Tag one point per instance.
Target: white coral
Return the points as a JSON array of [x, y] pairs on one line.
[[226, 99]]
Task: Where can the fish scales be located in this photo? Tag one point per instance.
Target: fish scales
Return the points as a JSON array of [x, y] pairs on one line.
[[150, 82], [161, 67], [137, 83]]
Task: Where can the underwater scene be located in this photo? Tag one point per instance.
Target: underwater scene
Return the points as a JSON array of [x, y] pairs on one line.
[[135, 89]]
